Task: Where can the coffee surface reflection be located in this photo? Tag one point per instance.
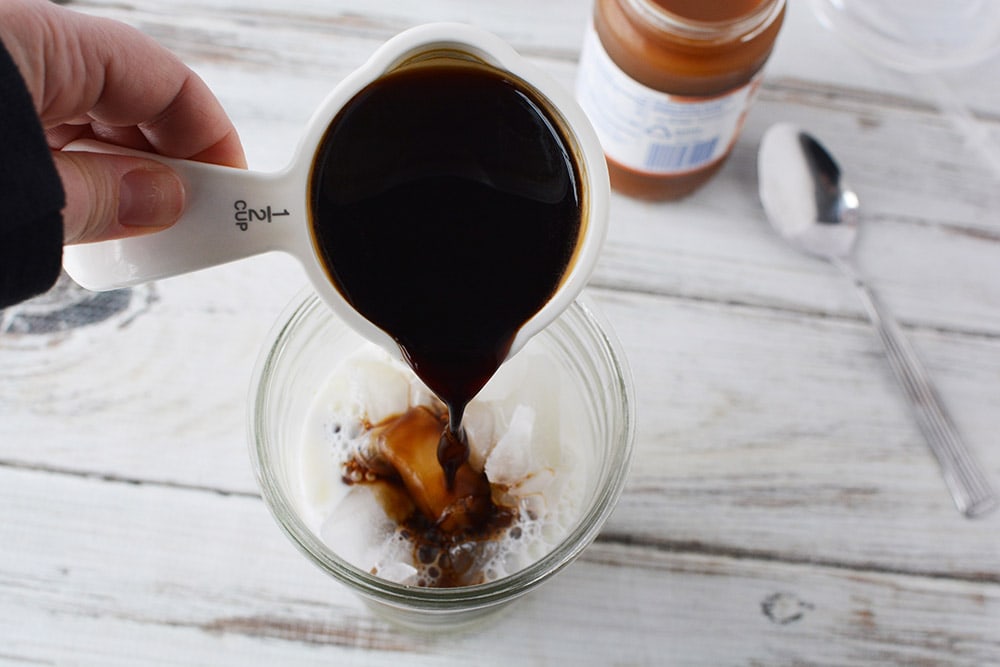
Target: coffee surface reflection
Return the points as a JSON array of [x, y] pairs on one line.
[[446, 206]]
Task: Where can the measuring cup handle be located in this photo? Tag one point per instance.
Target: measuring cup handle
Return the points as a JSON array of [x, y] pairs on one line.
[[229, 214]]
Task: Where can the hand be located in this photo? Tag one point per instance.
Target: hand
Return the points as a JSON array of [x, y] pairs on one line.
[[100, 79]]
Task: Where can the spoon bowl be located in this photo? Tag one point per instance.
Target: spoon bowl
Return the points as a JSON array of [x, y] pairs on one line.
[[805, 195], [810, 205]]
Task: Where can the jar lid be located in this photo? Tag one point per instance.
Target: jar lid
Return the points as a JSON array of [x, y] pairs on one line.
[[709, 22]]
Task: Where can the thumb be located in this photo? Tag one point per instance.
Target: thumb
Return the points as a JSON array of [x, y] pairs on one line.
[[116, 196]]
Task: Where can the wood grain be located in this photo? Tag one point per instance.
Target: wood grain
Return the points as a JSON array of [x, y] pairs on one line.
[[185, 576], [783, 508]]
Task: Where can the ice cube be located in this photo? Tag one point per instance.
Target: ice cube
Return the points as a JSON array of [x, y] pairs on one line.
[[358, 527], [410, 445], [509, 379], [380, 387], [480, 427], [400, 573], [512, 459]]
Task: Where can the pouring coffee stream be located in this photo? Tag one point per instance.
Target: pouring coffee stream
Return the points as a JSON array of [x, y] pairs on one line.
[[447, 210], [810, 206], [472, 218]]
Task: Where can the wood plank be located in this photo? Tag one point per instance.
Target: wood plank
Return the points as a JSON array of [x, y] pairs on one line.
[[716, 244], [105, 573], [777, 434], [783, 508], [804, 49], [158, 392], [924, 246], [915, 178], [742, 442]]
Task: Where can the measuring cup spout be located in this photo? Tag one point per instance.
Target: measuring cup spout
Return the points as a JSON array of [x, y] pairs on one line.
[[230, 214]]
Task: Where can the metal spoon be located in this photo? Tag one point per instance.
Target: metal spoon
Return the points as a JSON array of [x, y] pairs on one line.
[[809, 205]]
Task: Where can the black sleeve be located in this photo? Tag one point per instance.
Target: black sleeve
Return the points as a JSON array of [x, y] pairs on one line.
[[31, 195]]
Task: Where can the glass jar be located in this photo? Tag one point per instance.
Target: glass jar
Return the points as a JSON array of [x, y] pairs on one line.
[[916, 35], [306, 345], [667, 85]]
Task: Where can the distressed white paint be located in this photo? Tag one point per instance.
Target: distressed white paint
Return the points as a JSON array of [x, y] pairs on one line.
[[783, 508]]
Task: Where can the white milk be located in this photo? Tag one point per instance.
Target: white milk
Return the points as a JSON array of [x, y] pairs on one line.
[[526, 429]]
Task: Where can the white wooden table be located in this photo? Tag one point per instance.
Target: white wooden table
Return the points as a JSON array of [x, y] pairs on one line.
[[783, 508]]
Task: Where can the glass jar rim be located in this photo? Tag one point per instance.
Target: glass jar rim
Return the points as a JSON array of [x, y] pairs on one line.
[[482, 595], [743, 28]]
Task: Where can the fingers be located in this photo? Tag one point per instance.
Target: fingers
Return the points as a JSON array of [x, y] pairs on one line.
[[115, 196], [87, 70], [147, 87], [191, 125], [129, 137], [94, 77]]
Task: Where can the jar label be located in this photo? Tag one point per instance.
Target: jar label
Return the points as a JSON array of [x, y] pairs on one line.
[[652, 131]]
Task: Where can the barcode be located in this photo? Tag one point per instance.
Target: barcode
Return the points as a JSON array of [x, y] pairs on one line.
[[667, 156]]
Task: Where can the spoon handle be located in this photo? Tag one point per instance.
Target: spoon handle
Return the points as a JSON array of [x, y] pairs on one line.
[[969, 487]]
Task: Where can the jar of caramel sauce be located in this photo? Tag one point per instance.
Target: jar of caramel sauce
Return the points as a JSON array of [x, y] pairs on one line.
[[667, 85]]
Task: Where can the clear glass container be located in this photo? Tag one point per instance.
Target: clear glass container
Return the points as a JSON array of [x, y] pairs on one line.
[[307, 343], [916, 35]]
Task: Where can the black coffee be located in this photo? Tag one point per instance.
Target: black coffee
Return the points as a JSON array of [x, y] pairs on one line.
[[447, 207]]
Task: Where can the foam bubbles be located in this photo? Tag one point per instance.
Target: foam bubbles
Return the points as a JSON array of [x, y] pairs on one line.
[[523, 433]]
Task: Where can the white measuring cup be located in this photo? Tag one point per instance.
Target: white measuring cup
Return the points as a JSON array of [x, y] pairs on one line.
[[232, 213]]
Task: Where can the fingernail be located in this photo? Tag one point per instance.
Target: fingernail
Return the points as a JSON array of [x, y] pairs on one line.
[[150, 198]]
